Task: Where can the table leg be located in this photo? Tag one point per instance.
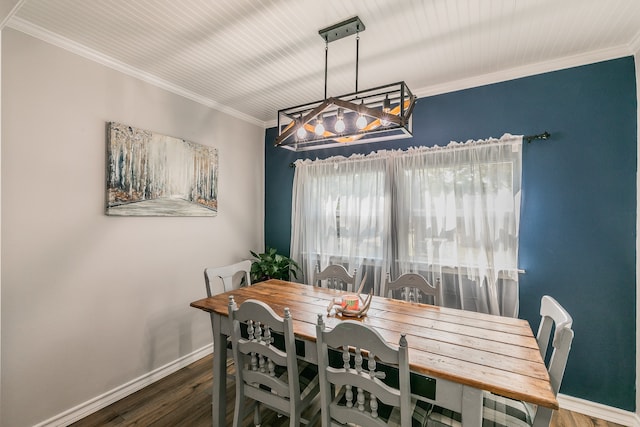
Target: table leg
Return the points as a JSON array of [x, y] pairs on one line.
[[219, 391], [471, 407], [543, 417]]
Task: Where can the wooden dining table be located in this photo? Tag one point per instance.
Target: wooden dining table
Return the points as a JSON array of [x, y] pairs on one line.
[[454, 355]]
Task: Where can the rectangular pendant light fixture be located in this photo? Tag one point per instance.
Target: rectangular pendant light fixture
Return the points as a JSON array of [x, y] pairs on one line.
[[377, 114]]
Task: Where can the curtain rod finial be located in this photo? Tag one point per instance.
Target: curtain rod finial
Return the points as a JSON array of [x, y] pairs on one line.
[[543, 136]]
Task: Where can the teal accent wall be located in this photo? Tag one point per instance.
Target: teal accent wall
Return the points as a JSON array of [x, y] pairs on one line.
[[578, 219]]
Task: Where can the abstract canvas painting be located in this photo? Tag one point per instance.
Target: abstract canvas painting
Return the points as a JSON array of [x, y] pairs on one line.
[[150, 174]]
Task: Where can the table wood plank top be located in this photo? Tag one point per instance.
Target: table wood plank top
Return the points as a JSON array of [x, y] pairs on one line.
[[493, 353]]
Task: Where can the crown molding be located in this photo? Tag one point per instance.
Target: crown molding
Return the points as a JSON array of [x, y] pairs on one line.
[[526, 71], [38, 32], [5, 19]]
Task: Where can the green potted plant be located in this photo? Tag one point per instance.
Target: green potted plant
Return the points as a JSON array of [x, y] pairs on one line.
[[271, 265]]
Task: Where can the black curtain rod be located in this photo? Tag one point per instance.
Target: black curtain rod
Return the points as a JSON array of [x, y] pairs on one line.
[[528, 138]]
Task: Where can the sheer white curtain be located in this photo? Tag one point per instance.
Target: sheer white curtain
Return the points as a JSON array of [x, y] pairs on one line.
[[457, 211], [449, 213], [341, 215]]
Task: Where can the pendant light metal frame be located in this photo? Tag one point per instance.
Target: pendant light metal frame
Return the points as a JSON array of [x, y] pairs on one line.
[[387, 108]]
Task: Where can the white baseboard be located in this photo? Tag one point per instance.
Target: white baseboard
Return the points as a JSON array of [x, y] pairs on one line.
[[597, 410], [74, 414]]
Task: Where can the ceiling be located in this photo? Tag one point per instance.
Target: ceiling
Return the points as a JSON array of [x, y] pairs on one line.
[[251, 58]]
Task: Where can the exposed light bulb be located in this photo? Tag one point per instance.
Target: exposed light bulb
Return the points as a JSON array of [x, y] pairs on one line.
[[340, 126], [319, 127], [302, 132], [361, 123]]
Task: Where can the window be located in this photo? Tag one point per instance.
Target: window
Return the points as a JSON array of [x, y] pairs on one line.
[[442, 212], [447, 213]]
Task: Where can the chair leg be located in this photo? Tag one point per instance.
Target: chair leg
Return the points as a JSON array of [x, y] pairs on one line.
[[257, 420], [238, 411]]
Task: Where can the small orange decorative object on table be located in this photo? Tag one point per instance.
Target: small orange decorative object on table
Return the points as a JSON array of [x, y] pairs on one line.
[[350, 302], [351, 305]]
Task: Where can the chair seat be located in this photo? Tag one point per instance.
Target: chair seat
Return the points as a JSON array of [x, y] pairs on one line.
[[390, 415], [419, 414], [498, 411], [307, 376], [309, 381]]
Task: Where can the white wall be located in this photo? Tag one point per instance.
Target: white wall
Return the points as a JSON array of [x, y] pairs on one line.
[[90, 302]]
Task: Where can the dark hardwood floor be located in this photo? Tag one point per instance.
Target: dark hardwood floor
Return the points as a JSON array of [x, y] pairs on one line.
[[184, 399]]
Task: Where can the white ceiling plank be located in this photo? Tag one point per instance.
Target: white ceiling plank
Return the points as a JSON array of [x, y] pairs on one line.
[[253, 58]]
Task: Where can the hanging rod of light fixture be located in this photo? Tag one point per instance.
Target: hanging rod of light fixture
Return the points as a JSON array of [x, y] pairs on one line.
[[377, 114]]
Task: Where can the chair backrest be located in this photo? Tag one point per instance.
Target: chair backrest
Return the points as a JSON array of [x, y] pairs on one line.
[[228, 277], [261, 377], [413, 287], [554, 316], [362, 397], [335, 276]]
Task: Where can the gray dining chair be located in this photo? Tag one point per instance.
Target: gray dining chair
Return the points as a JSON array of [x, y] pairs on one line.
[[266, 373], [335, 276], [354, 389], [413, 287], [228, 277], [225, 278], [501, 411]]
